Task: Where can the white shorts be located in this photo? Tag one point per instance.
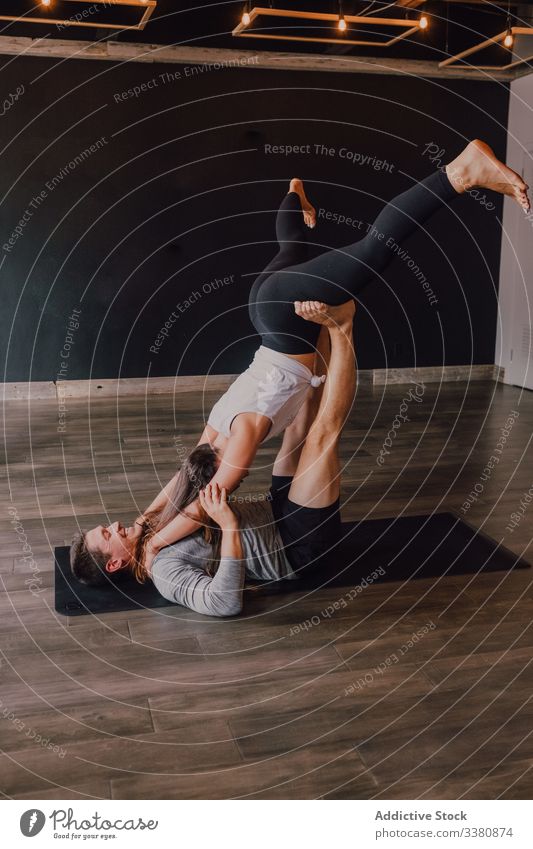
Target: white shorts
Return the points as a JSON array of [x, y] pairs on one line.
[[274, 385]]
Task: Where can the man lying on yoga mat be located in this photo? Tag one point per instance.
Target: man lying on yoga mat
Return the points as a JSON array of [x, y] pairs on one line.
[[267, 540], [264, 400]]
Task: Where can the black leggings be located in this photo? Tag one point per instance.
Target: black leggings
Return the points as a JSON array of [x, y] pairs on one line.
[[337, 275]]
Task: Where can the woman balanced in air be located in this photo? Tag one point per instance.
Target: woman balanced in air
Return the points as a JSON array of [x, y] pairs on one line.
[[265, 399]]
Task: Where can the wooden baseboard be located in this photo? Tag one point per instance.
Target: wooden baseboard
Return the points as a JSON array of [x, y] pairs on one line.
[[436, 374], [142, 386], [128, 386], [146, 386]]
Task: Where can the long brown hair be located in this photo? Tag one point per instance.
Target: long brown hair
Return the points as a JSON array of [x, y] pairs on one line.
[[196, 471]]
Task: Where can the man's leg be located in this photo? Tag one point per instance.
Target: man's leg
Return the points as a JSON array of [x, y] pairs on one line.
[[316, 483], [286, 462]]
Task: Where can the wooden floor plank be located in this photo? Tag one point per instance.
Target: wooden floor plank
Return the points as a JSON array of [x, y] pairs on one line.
[[330, 771]]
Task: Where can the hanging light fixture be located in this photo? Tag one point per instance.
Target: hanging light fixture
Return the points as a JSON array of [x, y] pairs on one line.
[[246, 14], [342, 23], [505, 38], [423, 22], [403, 27], [142, 11], [509, 37]]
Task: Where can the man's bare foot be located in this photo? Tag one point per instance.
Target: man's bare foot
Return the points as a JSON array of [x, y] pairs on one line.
[[340, 317], [478, 166], [309, 211]]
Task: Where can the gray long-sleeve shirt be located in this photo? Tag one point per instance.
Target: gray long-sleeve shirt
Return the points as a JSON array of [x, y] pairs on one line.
[[179, 571]]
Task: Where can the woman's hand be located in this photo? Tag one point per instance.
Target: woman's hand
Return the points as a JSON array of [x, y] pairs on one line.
[[214, 501]]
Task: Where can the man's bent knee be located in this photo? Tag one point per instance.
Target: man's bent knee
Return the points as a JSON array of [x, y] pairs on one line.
[[324, 435]]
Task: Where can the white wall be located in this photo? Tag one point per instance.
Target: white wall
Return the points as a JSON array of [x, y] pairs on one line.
[[513, 337]]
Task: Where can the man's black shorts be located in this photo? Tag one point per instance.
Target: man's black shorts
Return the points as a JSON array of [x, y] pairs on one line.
[[307, 532]]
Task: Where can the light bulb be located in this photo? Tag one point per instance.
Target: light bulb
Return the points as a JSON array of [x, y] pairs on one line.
[[423, 23], [46, 2], [342, 25], [245, 19], [508, 40]]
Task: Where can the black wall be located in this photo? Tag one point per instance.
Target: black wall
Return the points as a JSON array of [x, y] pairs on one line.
[[180, 192]]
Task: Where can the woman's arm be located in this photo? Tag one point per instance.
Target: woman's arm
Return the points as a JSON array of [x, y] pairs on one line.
[[247, 432], [182, 526], [209, 435], [161, 500]]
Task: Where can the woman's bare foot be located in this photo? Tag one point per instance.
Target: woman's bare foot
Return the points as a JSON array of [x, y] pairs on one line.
[[309, 211], [478, 166], [340, 317]]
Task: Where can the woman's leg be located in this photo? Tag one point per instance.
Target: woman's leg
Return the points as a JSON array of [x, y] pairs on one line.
[[291, 234], [291, 229], [337, 276]]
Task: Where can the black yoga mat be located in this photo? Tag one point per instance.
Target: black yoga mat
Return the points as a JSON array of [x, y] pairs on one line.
[[406, 547]]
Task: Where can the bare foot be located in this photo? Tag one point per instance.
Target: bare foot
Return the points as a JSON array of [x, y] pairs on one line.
[[339, 317], [309, 211], [478, 166]]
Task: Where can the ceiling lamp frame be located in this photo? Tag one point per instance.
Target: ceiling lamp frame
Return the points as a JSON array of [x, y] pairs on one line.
[[409, 27], [148, 7], [452, 60]]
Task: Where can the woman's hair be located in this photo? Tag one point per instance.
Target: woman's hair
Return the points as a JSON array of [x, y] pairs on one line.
[[197, 470]]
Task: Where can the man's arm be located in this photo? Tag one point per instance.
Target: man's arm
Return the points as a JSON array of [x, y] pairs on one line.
[[247, 432], [177, 529], [189, 586], [184, 584], [209, 435], [237, 458], [246, 435], [187, 523]]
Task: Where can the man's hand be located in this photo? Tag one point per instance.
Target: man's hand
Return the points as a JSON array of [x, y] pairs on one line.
[[334, 318], [214, 501]]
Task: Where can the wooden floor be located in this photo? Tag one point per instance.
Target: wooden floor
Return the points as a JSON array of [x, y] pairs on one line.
[[167, 704]]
